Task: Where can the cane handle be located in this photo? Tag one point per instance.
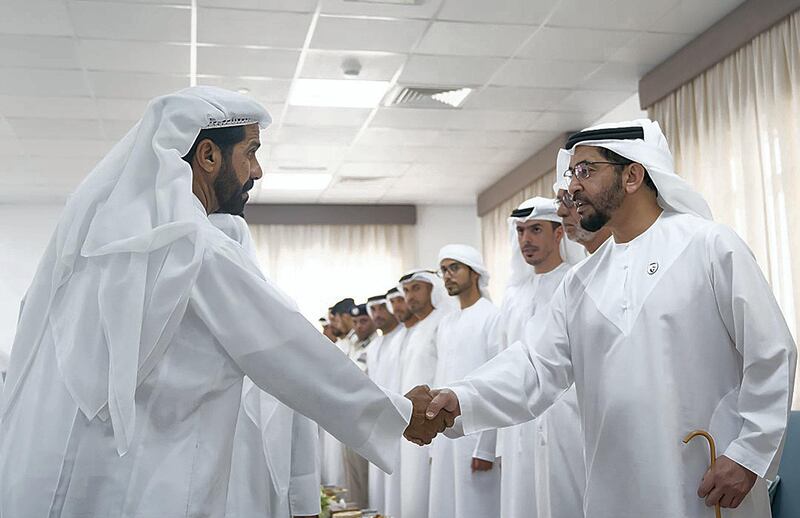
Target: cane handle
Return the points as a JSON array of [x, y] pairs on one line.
[[712, 452]]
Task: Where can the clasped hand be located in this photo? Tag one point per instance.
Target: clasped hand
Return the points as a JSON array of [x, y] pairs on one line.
[[433, 412]]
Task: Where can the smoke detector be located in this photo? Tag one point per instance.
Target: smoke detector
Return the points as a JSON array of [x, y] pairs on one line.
[[351, 67]]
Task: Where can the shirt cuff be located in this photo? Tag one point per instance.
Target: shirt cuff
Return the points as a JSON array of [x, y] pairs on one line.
[[741, 455], [466, 393], [488, 456]]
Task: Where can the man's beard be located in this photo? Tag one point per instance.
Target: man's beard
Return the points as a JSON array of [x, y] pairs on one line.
[[607, 202], [230, 194]]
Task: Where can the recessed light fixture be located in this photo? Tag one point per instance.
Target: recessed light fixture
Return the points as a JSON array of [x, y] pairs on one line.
[[243, 90], [338, 93], [295, 181]]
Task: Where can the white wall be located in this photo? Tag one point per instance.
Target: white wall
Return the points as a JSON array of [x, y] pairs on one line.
[[439, 225], [24, 233]]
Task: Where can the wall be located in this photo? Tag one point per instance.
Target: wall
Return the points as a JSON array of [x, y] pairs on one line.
[[439, 225], [24, 234]]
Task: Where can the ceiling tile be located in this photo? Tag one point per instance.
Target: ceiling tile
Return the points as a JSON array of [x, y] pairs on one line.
[[118, 21], [121, 109], [375, 66], [558, 43], [593, 101], [449, 70], [48, 107], [134, 85], [497, 11], [10, 147], [318, 116], [420, 9], [237, 61], [366, 34], [33, 127], [610, 14], [399, 137], [514, 98], [615, 76], [563, 121], [382, 153], [272, 29], [491, 120], [301, 6], [134, 56], [471, 39], [309, 154], [372, 169], [693, 17], [650, 48], [545, 74], [266, 91], [39, 82], [46, 17], [457, 155], [70, 148], [37, 51], [411, 118], [317, 136], [477, 137]]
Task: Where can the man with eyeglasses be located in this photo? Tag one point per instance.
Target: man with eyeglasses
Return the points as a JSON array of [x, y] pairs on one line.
[[542, 459], [464, 480], [427, 299], [669, 328], [570, 220]]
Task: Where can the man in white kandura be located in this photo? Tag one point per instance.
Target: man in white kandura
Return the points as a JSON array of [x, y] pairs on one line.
[[383, 357], [427, 299], [465, 477], [275, 463], [543, 458], [668, 328], [396, 304], [143, 318]]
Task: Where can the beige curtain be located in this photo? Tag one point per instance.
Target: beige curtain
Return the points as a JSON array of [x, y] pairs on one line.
[[735, 134], [495, 238], [318, 265]]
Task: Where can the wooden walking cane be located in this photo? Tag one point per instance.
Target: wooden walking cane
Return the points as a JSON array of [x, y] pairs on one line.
[[713, 451]]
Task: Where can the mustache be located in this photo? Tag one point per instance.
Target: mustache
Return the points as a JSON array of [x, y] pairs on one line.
[[249, 184], [530, 248]]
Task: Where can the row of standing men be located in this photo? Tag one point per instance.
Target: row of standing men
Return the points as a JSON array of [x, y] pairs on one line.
[[433, 328]]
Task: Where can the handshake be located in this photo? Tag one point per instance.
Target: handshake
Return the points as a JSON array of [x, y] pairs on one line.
[[433, 412]]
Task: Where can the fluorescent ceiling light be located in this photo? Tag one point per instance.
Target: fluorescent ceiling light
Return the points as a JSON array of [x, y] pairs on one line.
[[338, 93], [295, 181]]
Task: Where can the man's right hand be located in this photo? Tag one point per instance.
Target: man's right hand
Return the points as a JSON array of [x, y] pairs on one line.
[[443, 400], [422, 429]]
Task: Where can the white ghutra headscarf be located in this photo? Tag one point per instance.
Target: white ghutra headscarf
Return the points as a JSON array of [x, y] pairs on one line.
[[469, 256], [642, 141], [544, 209], [115, 280]]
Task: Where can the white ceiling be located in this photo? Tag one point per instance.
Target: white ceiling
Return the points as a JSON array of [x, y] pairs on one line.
[[76, 74]]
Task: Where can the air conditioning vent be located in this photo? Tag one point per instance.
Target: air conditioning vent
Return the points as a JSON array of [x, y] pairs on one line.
[[444, 98]]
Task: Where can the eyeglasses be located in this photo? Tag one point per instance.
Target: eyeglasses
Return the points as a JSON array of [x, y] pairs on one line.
[[565, 200], [452, 268], [584, 170]]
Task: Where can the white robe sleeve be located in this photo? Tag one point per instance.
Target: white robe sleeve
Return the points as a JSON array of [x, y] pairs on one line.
[[523, 381], [287, 357], [486, 449], [756, 325], [305, 470]]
